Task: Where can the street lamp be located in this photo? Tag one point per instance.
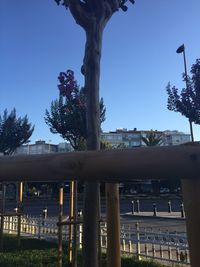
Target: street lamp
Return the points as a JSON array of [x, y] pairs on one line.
[[181, 50]]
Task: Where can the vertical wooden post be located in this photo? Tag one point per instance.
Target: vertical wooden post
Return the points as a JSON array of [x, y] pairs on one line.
[[60, 226], [99, 228], [20, 192], [177, 254], [113, 225], [146, 249], [20, 195], [71, 217], [191, 198], [106, 243], [137, 241], [169, 253], [2, 214], [186, 256], [130, 246], [161, 251], [74, 258], [153, 250]]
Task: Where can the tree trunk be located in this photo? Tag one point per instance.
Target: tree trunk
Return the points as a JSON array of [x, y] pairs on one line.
[[191, 131], [91, 201], [71, 219], [113, 225], [60, 218], [74, 258]]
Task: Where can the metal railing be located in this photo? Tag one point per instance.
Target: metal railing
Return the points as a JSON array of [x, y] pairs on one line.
[[138, 241]]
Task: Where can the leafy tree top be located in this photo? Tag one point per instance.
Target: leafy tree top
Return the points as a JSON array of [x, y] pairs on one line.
[[90, 6], [188, 101], [68, 113], [14, 131]]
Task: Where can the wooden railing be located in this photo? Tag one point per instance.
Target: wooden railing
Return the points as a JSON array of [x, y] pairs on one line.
[[120, 165]]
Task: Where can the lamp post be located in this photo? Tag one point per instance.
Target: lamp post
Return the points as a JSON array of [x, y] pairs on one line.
[[181, 50], [191, 197]]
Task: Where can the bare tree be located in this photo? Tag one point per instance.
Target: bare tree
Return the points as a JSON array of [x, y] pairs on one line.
[[92, 16]]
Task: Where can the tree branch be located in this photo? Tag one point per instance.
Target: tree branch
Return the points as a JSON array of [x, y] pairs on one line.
[[79, 13], [114, 5]]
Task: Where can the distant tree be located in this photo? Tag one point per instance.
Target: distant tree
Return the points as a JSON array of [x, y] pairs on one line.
[[106, 145], [152, 139], [188, 101], [67, 115], [14, 132]]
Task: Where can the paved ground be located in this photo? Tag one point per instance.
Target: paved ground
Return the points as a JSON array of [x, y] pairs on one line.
[[171, 215], [163, 221], [35, 206]]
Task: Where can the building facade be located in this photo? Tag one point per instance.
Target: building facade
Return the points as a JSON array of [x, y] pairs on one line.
[[41, 147], [133, 138], [173, 138], [120, 137]]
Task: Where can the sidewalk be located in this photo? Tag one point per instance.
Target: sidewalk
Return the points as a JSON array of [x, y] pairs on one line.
[[159, 215]]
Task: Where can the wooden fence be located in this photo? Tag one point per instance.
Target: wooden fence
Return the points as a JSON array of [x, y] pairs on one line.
[[120, 165]]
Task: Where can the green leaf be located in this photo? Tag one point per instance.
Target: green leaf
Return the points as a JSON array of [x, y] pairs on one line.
[[124, 8]]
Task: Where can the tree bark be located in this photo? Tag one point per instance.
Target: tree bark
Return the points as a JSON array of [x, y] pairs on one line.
[[71, 219], [113, 225], [191, 131], [92, 16], [75, 196], [60, 218], [91, 211], [170, 162]]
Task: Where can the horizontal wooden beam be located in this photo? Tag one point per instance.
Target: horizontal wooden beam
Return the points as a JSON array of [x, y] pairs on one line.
[[117, 165]]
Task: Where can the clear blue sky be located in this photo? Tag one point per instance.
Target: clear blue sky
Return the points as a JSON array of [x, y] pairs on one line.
[[39, 39]]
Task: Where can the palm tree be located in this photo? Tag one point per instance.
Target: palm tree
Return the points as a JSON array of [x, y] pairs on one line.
[[152, 139]]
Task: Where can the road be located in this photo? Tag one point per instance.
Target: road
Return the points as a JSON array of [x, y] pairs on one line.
[[35, 206]]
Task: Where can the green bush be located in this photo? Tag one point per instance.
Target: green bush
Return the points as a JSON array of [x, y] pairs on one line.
[[132, 262], [40, 253]]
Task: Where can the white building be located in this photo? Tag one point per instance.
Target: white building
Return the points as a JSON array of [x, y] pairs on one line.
[[41, 147], [172, 138], [133, 138], [128, 138]]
